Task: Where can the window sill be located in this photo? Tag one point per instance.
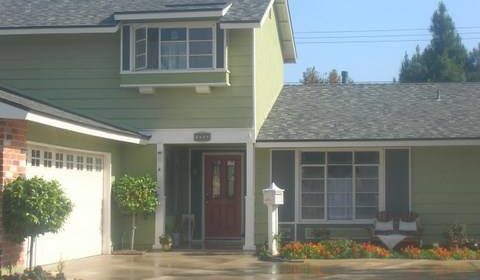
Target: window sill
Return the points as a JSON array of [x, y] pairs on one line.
[[183, 78]]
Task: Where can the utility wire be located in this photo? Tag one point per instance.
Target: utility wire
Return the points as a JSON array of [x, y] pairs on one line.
[[375, 36], [372, 41], [376, 30]]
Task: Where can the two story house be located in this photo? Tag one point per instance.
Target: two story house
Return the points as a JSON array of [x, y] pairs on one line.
[[92, 90], [191, 92]]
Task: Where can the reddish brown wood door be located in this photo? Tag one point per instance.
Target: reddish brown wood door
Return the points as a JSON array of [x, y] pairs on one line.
[[223, 187]]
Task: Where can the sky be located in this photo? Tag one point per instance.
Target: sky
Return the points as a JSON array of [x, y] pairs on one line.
[[369, 62]]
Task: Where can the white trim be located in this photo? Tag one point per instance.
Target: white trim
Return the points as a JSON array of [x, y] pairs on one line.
[[59, 30], [181, 71], [249, 241], [193, 85], [107, 184], [269, 8], [171, 15], [160, 212], [383, 143], [33, 117], [185, 136], [11, 112], [254, 83], [239, 25]]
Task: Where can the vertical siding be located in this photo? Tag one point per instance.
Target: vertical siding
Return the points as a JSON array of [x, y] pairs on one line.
[[269, 68], [82, 73], [446, 189], [262, 178]]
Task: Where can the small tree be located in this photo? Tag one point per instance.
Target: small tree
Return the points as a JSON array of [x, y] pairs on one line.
[[135, 195], [311, 77], [32, 207]]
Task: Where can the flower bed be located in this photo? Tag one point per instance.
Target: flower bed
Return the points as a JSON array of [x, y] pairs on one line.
[[348, 249]]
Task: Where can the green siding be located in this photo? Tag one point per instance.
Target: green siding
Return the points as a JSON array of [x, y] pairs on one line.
[[125, 159], [446, 189], [82, 73], [268, 69], [262, 178]]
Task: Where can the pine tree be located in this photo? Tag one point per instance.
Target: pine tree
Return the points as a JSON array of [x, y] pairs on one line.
[[444, 60], [473, 65]]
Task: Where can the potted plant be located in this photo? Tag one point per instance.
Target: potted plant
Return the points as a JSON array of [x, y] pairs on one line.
[[166, 242], [456, 235]]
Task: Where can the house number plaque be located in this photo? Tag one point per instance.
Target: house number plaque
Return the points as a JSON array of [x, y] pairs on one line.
[[202, 137]]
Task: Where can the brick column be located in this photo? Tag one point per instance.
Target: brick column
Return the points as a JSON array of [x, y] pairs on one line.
[[13, 158]]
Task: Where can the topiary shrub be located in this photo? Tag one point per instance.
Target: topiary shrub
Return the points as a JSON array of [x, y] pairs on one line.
[[135, 195], [32, 207]]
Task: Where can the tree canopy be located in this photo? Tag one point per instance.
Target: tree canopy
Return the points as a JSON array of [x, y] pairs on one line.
[[33, 207], [445, 59]]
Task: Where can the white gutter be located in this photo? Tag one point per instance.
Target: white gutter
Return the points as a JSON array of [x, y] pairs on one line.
[[59, 30], [383, 143]]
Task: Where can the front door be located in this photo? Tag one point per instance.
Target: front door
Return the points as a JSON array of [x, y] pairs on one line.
[[223, 181]]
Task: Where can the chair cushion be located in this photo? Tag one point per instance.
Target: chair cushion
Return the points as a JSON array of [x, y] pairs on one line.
[[383, 226], [407, 226]]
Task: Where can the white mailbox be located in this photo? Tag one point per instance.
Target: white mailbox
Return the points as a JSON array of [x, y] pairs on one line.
[[273, 195]]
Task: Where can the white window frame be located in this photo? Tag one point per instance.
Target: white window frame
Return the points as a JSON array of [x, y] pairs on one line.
[[298, 187], [160, 26], [298, 220]]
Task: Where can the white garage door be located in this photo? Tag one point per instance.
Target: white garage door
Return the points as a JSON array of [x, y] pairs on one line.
[[81, 175]]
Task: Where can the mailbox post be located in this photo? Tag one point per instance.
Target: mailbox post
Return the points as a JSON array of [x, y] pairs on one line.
[[273, 197]]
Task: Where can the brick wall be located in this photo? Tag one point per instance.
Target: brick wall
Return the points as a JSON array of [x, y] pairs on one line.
[[12, 164]]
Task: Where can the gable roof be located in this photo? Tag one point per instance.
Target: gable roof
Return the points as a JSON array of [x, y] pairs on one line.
[[90, 13], [374, 112], [43, 109]]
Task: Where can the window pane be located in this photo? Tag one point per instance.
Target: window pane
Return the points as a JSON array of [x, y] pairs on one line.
[[140, 34], [140, 48], [126, 48], [313, 213], [174, 62], [309, 185], [367, 158], [366, 171], [231, 179], [313, 172], [370, 200], [200, 34], [152, 50], [366, 212], [201, 48], [140, 61], [174, 34], [340, 171], [366, 185], [313, 158], [174, 48], [313, 199], [216, 184], [201, 61], [340, 158]]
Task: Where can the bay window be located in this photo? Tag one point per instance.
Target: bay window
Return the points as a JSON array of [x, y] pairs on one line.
[[339, 186], [172, 47]]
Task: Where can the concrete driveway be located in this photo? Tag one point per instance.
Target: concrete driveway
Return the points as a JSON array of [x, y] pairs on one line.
[[209, 265]]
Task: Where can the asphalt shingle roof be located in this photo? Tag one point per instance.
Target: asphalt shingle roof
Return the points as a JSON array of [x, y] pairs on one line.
[[62, 13], [28, 104], [374, 112]]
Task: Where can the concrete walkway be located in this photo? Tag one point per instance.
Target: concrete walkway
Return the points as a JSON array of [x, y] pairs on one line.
[[203, 265]]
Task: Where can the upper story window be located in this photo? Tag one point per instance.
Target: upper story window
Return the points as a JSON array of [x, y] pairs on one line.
[[172, 48]]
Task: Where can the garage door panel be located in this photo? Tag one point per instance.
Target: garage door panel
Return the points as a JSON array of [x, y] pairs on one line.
[[81, 176]]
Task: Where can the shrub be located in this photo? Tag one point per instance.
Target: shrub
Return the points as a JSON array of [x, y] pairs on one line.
[[412, 252], [339, 249], [36, 274], [33, 207], [369, 250], [135, 195]]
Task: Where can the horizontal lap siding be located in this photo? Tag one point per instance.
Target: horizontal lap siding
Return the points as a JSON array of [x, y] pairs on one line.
[[82, 73], [446, 189]]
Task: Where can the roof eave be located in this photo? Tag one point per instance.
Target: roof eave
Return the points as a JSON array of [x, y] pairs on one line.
[[286, 31]]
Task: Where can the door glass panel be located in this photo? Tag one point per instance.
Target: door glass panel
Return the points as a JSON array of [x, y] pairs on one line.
[[230, 179], [216, 179]]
